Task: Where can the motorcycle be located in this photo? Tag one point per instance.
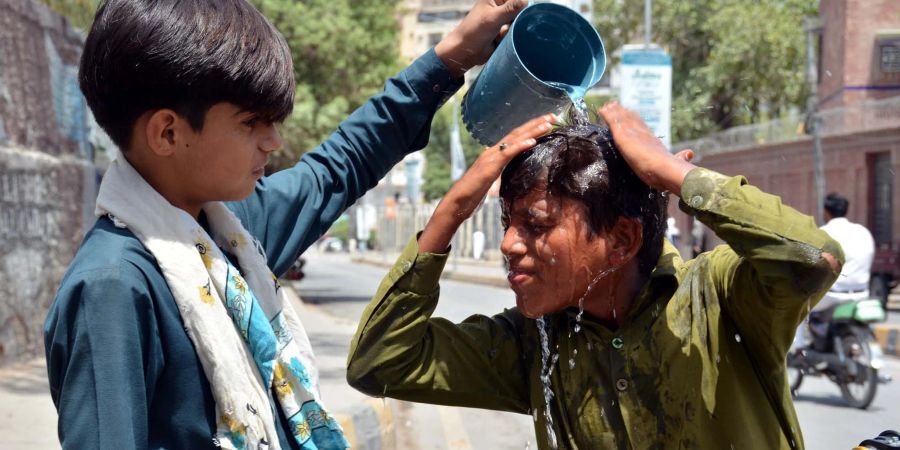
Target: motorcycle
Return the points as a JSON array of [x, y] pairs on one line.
[[843, 348], [887, 440]]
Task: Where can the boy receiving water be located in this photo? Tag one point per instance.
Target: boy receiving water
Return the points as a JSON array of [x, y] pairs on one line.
[[170, 329], [616, 342]]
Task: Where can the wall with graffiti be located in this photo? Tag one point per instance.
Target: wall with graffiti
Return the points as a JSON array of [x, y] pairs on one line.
[[48, 177]]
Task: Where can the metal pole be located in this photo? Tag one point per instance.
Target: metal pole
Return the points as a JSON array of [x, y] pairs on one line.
[[648, 25], [814, 119]]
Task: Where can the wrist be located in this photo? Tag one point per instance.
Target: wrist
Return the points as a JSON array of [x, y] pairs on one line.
[[449, 51], [669, 175]]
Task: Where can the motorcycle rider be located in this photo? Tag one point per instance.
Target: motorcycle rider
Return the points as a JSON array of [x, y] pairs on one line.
[[859, 249]]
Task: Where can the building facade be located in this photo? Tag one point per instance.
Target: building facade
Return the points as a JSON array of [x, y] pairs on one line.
[[858, 93]]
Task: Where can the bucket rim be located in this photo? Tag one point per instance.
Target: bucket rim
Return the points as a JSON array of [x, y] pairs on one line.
[[566, 11]]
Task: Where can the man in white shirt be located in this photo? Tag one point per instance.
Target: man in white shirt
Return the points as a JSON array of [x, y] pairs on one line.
[[859, 249]]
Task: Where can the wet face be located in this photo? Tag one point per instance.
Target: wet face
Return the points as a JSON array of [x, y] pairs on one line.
[[228, 156], [553, 257]]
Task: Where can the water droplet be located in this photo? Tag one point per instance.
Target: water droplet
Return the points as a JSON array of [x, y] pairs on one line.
[[737, 338]]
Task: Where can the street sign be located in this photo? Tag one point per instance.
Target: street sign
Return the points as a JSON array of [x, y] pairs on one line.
[[646, 87]]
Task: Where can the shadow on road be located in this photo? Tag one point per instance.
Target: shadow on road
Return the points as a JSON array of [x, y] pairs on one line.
[[27, 378], [310, 296]]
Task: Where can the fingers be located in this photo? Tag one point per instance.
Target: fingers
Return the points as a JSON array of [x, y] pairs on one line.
[[686, 154], [512, 7], [525, 136], [533, 128], [503, 30]]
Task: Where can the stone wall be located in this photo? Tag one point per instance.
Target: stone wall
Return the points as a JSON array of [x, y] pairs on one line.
[[47, 176]]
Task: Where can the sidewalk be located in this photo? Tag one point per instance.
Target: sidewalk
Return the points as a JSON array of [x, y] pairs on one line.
[[491, 273], [28, 417]]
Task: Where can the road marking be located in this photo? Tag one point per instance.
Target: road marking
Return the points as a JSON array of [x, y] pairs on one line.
[[454, 431]]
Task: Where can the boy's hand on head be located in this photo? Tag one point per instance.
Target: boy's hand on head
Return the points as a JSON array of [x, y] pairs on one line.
[[473, 41], [467, 193], [644, 152]]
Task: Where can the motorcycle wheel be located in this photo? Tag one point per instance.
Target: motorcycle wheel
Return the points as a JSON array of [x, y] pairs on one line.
[[860, 391], [795, 378]]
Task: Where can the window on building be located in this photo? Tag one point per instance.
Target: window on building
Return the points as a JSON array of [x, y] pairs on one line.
[[890, 57], [434, 38]]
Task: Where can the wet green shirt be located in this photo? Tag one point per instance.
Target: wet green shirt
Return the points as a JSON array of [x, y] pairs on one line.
[[698, 363]]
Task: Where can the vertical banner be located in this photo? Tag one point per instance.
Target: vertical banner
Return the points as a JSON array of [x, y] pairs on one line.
[[646, 87], [457, 157]]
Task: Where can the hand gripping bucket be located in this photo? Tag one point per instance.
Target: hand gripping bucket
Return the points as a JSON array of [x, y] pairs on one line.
[[549, 56]]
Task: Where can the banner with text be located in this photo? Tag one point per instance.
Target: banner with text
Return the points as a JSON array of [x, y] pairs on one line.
[[646, 87]]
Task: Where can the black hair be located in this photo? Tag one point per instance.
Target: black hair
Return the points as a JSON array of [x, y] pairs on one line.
[[836, 205], [582, 163], [142, 55]]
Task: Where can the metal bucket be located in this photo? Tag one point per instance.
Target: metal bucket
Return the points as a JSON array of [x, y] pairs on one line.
[[550, 56]]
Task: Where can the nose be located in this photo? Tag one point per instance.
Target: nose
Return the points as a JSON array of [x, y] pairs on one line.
[[271, 139], [512, 244]]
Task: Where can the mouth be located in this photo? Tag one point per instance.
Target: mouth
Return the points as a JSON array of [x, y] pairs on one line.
[[518, 276]]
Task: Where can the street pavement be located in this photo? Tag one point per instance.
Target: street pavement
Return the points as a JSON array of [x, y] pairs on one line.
[[342, 288], [335, 292]]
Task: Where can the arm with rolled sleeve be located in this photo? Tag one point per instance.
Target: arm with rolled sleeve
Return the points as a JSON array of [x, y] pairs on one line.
[[292, 208], [772, 271], [103, 357], [399, 351]]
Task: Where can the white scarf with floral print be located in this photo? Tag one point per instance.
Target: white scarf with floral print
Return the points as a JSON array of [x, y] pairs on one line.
[[212, 297]]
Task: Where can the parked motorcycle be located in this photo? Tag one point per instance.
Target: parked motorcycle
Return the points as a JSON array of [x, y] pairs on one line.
[[843, 348]]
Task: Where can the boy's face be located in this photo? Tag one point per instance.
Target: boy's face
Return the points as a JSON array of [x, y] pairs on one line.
[[225, 159], [552, 256]]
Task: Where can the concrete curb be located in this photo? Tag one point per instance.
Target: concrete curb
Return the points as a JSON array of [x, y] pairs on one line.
[[448, 274], [370, 426], [369, 423], [888, 336]]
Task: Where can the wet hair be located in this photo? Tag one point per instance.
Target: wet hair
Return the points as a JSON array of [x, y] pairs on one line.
[[143, 55], [582, 163], [836, 205]]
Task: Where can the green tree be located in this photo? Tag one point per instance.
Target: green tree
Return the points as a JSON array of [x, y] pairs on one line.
[[79, 12], [436, 176], [734, 62], [343, 51]]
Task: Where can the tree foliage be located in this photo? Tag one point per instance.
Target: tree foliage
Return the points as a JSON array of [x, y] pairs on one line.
[[79, 12], [734, 62], [436, 177], [343, 51]]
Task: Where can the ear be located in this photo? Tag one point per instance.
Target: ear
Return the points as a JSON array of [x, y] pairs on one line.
[[625, 240], [164, 129]]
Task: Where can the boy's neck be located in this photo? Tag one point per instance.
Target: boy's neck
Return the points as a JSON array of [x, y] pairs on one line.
[[156, 177], [610, 302]]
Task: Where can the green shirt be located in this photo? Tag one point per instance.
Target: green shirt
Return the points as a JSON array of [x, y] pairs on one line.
[[699, 361]]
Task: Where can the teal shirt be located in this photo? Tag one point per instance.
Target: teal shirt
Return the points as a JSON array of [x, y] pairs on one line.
[[123, 373]]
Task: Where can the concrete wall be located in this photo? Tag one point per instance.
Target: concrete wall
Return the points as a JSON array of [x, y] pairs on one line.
[[47, 178], [787, 170]]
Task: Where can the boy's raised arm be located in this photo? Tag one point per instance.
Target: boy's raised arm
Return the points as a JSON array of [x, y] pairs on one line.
[[777, 262]]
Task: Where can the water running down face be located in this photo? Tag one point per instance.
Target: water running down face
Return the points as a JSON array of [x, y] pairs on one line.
[[572, 209]]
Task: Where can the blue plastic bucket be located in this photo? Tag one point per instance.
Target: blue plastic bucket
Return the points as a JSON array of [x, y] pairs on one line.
[[550, 56]]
